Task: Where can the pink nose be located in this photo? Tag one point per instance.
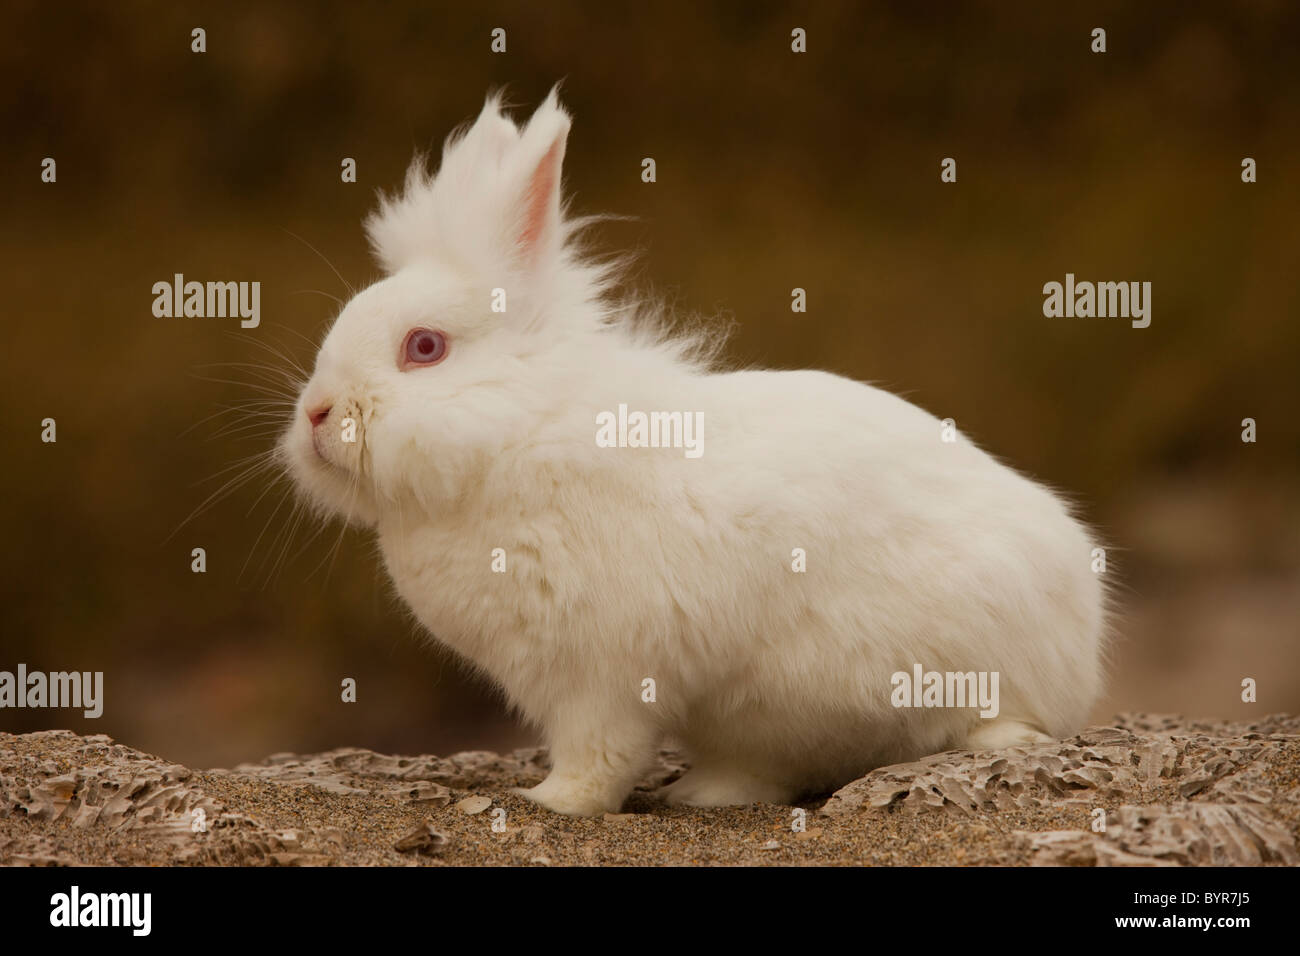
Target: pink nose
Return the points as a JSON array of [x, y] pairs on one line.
[[318, 415]]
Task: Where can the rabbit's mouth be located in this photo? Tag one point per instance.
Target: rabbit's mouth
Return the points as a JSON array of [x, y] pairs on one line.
[[327, 464], [320, 459], [320, 452], [333, 486]]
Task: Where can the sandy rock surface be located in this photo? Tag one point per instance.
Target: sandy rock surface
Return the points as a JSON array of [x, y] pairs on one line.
[[1173, 792]]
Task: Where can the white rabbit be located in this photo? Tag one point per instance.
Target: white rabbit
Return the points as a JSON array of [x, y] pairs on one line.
[[649, 595]]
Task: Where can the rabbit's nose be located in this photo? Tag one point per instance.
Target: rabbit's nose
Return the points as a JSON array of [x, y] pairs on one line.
[[318, 415]]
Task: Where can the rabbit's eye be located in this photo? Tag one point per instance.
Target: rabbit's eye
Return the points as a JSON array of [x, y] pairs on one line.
[[423, 347]]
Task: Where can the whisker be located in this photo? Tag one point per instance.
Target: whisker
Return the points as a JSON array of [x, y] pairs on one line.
[[338, 542], [264, 389], [296, 522], [266, 374], [231, 409], [227, 488], [320, 527], [265, 525], [274, 386], [277, 354], [313, 345], [265, 454], [340, 302], [351, 291], [271, 427]]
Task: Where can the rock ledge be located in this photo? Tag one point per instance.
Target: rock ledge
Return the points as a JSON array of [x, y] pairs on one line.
[[1169, 792]]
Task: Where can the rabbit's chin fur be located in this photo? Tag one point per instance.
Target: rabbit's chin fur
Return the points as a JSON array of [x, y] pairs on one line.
[[627, 596]]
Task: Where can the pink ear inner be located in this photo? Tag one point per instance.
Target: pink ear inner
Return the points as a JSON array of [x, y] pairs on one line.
[[537, 200]]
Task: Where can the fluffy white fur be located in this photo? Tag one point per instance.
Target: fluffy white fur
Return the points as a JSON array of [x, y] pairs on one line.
[[627, 563]]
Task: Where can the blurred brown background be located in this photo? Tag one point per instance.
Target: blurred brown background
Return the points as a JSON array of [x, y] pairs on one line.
[[775, 170]]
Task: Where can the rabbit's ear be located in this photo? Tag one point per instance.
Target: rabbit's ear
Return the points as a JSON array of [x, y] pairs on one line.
[[539, 159], [492, 135], [496, 195]]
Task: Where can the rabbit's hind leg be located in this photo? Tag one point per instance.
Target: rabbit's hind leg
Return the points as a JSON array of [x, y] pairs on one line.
[[716, 785], [1004, 732]]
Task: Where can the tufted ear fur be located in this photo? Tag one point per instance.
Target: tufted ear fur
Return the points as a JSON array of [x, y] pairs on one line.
[[541, 159], [495, 200]]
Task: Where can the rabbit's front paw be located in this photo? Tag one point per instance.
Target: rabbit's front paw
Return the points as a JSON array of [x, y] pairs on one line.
[[573, 797]]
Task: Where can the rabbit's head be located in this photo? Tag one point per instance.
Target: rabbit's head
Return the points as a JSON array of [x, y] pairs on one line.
[[457, 351]]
